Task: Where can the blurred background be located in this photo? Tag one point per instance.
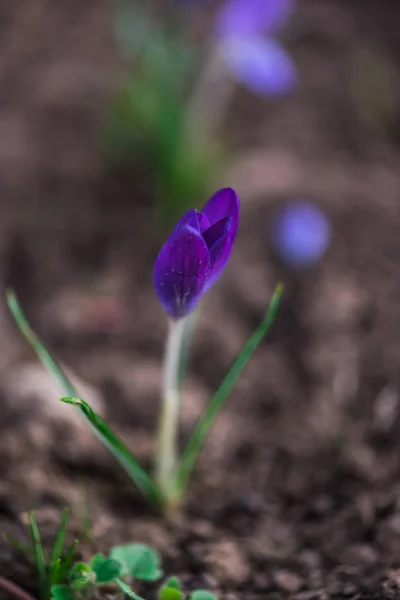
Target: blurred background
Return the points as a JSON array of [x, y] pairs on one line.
[[114, 119]]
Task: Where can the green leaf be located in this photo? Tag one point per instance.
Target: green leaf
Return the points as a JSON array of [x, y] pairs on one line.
[[106, 569], [48, 361], [174, 582], [39, 556], [109, 439], [54, 574], [139, 561], [120, 451], [202, 595], [62, 592], [169, 593], [55, 561], [60, 537], [67, 561], [127, 590], [171, 590], [207, 419], [97, 561], [81, 575]]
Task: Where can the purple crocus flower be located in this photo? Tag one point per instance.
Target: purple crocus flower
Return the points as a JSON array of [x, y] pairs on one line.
[[196, 253], [245, 29], [301, 234]]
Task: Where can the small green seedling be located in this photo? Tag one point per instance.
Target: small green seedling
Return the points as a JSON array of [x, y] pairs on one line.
[[136, 562], [172, 590], [59, 578], [124, 565], [52, 567]]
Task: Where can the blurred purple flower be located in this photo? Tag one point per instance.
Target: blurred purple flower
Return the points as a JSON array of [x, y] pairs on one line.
[[251, 17], [301, 234], [196, 252], [245, 29]]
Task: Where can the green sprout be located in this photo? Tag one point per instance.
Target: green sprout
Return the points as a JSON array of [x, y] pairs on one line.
[[52, 567], [59, 578], [124, 565], [160, 498]]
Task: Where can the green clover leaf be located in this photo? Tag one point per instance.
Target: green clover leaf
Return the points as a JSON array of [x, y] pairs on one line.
[[170, 592], [62, 592], [138, 560], [202, 595], [105, 569]]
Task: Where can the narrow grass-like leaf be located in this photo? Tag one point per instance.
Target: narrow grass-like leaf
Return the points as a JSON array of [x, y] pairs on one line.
[[107, 437], [39, 555], [59, 541], [56, 556], [54, 574], [127, 590], [67, 562], [48, 361], [207, 419], [121, 452]]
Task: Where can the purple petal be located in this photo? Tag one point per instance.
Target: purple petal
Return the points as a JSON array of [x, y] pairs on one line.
[[203, 222], [181, 271], [191, 218], [225, 203], [261, 64], [219, 238], [250, 17], [216, 231]]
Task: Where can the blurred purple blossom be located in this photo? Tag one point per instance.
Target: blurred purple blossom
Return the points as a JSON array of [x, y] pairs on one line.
[[251, 17], [301, 234], [246, 29], [196, 252]]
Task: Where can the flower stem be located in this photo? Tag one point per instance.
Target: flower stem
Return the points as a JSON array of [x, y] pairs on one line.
[[14, 590], [167, 452], [211, 97]]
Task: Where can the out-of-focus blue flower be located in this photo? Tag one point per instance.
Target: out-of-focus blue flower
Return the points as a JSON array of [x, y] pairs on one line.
[[196, 252], [301, 234], [250, 17], [245, 29]]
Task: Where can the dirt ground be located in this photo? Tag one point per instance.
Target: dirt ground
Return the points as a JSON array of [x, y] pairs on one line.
[[297, 493]]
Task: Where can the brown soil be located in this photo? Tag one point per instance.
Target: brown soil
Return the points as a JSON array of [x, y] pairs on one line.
[[297, 491]]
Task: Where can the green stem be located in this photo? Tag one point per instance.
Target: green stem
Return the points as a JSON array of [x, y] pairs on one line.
[[190, 324], [167, 451], [211, 97], [207, 419]]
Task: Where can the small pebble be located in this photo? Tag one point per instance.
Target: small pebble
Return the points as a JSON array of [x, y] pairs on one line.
[[288, 581], [228, 563]]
